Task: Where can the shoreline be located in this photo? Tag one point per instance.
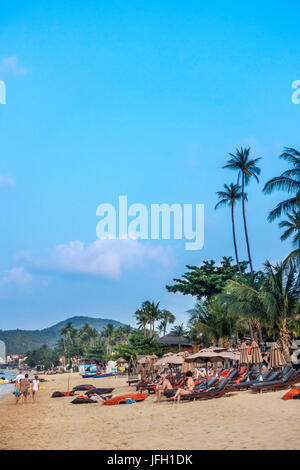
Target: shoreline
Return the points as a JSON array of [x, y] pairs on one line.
[[241, 420]]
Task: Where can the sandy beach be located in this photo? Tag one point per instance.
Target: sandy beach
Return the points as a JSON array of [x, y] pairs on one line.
[[241, 420]]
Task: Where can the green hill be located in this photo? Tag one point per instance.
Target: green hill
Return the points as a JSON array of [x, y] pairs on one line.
[[20, 341]]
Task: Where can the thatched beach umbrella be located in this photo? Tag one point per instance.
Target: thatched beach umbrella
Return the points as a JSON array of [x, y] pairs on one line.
[[121, 360], [244, 358], [139, 369], [256, 357], [205, 355], [276, 357], [149, 365]]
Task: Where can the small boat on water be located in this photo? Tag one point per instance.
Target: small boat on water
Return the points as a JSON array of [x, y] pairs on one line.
[[95, 375]]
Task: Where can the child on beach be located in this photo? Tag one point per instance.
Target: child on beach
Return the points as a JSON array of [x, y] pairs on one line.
[[35, 387]]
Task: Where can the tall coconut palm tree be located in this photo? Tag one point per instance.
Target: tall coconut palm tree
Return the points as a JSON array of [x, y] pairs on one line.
[[68, 333], [247, 168], [153, 313], [142, 319], [288, 181], [85, 334], [166, 317], [214, 322], [292, 228], [107, 333], [180, 332], [281, 299], [229, 197], [93, 336], [243, 299]]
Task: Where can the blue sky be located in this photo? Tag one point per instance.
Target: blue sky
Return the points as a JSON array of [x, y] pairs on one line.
[[144, 100]]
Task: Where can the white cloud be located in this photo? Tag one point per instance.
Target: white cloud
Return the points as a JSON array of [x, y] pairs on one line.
[[16, 276], [106, 258], [6, 181], [11, 66]]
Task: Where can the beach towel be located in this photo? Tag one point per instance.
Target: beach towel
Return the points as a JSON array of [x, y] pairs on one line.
[[122, 398], [292, 393], [83, 387], [82, 399]]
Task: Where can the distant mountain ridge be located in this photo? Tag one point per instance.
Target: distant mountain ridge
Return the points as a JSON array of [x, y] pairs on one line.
[[20, 341]]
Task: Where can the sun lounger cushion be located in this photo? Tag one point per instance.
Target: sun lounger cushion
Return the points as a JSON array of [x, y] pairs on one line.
[[80, 400], [83, 387], [99, 391], [123, 398], [292, 393], [62, 394]]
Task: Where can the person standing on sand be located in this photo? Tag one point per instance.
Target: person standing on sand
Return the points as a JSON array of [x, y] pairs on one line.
[[24, 389], [35, 387], [19, 377]]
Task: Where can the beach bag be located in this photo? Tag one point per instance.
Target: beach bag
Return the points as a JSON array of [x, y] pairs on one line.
[[122, 398], [292, 393]]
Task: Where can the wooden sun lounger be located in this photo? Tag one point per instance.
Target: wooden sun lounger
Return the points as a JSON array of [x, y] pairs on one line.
[[244, 385], [296, 378], [283, 384], [215, 392], [132, 381]]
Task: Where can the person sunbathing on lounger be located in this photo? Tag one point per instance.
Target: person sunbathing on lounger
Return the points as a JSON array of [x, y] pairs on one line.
[[163, 384], [188, 389]]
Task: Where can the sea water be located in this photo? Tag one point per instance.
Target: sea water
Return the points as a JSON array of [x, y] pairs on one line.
[[5, 389]]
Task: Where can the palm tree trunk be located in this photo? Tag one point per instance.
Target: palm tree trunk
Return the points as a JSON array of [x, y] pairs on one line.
[[285, 339], [259, 332], [245, 223], [234, 239], [251, 331]]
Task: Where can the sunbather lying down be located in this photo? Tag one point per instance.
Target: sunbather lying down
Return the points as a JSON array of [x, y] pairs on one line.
[[188, 389], [163, 384]]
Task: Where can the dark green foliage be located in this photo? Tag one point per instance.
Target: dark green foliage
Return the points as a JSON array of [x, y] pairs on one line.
[[208, 279], [44, 357], [139, 344]]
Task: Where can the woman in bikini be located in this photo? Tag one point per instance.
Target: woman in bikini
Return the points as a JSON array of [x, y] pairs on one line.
[[188, 389]]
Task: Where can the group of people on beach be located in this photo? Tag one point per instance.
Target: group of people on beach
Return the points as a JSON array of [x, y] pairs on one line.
[[165, 384], [22, 387]]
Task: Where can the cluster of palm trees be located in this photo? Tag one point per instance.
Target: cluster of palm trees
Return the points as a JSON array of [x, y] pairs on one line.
[[289, 181], [149, 313], [88, 340], [267, 306]]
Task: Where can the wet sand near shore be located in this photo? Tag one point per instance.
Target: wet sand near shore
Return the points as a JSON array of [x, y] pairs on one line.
[[241, 420]]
